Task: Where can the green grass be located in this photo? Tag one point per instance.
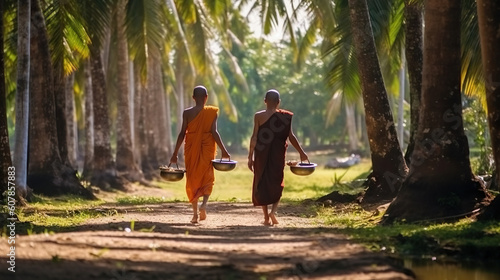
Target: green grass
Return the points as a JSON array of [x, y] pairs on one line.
[[45, 214], [465, 238], [236, 185], [140, 200]]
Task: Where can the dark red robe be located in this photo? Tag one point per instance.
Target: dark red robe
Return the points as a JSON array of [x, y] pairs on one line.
[[269, 158]]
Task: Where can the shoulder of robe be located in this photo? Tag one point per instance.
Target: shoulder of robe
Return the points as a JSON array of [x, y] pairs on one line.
[[212, 109], [285, 112]]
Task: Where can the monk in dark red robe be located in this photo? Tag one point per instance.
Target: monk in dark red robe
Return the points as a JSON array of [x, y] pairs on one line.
[[266, 158]]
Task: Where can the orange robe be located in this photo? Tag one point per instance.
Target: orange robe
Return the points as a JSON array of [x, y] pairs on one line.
[[269, 158], [199, 150]]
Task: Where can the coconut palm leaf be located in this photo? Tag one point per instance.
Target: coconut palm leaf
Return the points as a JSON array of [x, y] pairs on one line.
[[472, 77], [97, 17], [145, 31], [10, 52], [68, 38], [180, 31]]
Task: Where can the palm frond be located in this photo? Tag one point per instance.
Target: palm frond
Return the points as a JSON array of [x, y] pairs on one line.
[[223, 96], [306, 42], [96, 15], [68, 39], [145, 32], [472, 77], [236, 71], [180, 32]]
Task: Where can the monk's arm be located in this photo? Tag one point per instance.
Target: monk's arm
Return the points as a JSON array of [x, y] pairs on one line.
[[295, 143], [253, 142], [180, 138], [218, 140]]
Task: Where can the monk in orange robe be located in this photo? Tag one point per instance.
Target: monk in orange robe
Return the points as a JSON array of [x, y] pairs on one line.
[[199, 128], [266, 157]]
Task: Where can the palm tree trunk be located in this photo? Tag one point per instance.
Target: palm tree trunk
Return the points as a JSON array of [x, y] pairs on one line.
[[4, 133], [71, 129], [489, 23], [22, 98], [179, 73], [401, 101], [168, 113], [89, 122], [47, 173], [60, 102], [414, 57], [125, 162], [161, 113], [150, 104], [440, 182], [138, 123], [104, 170], [389, 168], [145, 129], [351, 128]]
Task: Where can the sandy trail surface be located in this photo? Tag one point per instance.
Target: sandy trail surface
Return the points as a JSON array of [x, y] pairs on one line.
[[157, 241]]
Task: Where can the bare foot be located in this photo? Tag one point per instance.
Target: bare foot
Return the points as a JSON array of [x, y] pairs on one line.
[[266, 223], [203, 213], [194, 220], [273, 218]]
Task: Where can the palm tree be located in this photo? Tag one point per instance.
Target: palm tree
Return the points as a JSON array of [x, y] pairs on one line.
[[67, 41], [70, 116], [22, 98], [414, 56], [386, 154], [145, 29], [96, 16], [489, 22], [440, 182], [125, 162], [4, 133], [89, 121], [47, 172]]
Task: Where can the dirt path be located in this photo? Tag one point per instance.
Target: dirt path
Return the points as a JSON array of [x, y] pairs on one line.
[[230, 244]]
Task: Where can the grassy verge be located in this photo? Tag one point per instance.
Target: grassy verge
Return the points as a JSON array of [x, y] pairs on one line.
[[46, 215], [464, 239]]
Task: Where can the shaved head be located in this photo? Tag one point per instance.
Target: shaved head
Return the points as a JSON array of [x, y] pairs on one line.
[[199, 91], [273, 96]]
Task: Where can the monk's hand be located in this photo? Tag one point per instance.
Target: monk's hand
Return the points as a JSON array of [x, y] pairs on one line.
[[225, 154], [173, 159], [250, 164], [304, 157]]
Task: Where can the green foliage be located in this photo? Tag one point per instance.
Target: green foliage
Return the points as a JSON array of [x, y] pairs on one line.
[[68, 38], [268, 65], [476, 129]]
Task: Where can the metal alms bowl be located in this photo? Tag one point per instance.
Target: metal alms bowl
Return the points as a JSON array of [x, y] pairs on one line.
[[224, 165], [303, 169], [171, 174]]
